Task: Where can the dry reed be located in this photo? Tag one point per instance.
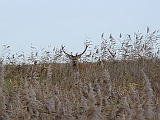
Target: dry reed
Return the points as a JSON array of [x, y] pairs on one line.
[[112, 85]]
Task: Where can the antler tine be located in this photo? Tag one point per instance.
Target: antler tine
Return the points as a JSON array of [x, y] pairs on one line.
[[70, 56], [86, 44], [62, 47], [83, 51]]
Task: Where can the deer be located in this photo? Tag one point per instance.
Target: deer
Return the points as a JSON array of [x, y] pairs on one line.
[[74, 58]]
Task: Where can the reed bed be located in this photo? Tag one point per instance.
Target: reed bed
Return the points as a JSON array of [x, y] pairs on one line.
[[111, 84]]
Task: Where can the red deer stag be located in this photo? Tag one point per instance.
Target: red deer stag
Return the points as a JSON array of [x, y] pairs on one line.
[[74, 58]]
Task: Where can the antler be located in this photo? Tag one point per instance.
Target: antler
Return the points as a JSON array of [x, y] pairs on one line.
[[77, 55], [82, 52], [74, 58], [70, 56]]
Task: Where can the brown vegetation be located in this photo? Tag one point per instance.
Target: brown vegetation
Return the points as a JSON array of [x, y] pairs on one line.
[[111, 84]]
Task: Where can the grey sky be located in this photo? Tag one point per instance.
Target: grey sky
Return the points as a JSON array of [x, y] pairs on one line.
[[57, 22]]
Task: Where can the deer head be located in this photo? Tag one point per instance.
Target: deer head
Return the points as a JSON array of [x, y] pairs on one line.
[[74, 58]]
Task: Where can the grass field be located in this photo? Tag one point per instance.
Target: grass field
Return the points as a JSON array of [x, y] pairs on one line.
[[125, 86]]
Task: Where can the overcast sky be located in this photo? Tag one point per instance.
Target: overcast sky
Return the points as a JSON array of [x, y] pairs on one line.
[[67, 22]]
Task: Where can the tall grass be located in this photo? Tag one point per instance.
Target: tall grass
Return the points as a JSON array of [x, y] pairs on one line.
[[114, 82]]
